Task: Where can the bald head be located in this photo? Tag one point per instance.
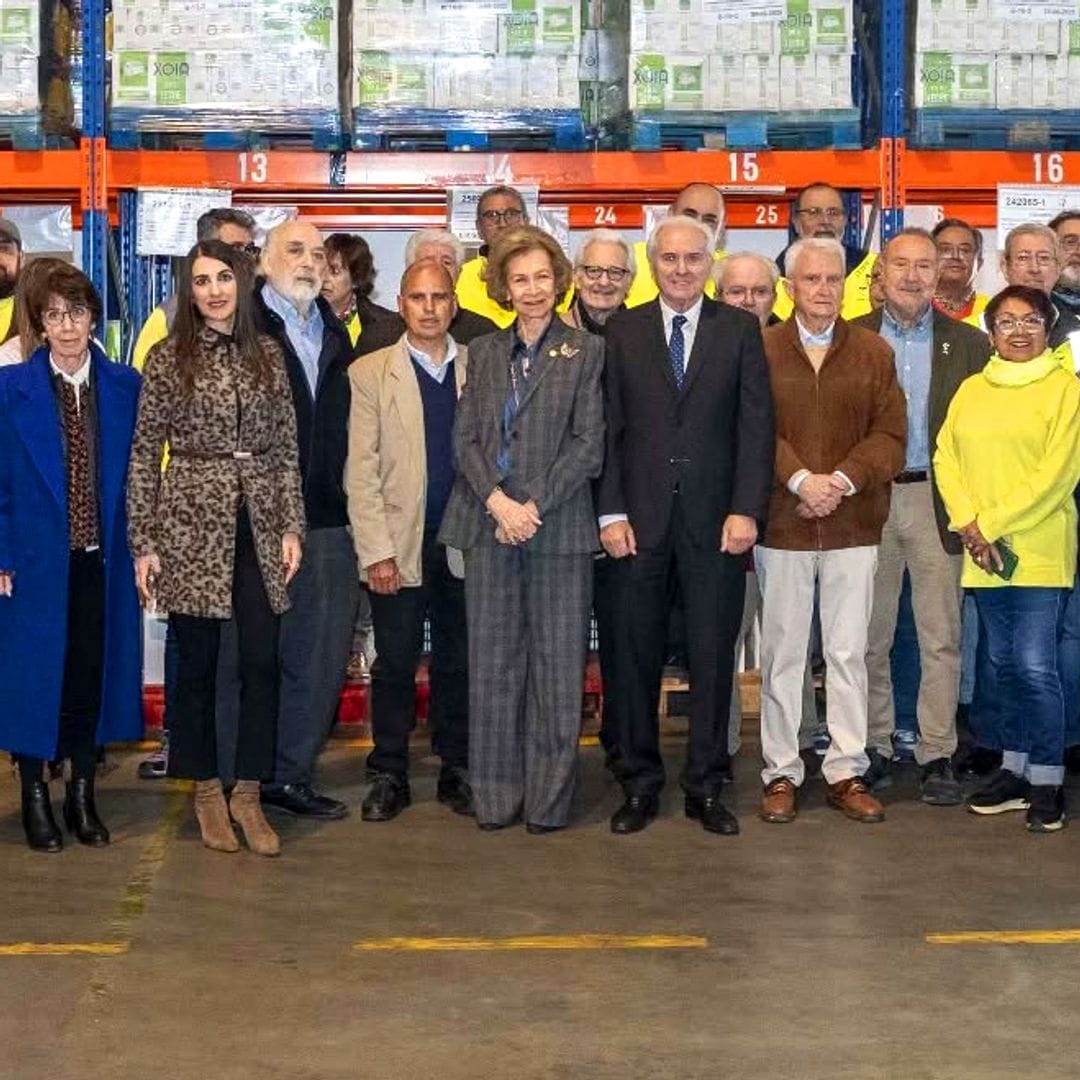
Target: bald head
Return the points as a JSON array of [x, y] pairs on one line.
[[703, 203], [294, 262], [427, 265], [427, 305]]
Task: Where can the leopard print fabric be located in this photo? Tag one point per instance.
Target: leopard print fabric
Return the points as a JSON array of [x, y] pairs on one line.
[[187, 515]]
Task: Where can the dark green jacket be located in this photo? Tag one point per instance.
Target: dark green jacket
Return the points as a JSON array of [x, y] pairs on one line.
[[958, 351]]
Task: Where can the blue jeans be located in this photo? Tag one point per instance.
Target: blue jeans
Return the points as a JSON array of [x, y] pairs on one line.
[[904, 663], [1022, 627], [1070, 664]]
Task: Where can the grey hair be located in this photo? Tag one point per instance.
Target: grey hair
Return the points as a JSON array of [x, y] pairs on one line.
[[683, 222], [1032, 228], [606, 236], [823, 245], [434, 236], [210, 224], [767, 265]]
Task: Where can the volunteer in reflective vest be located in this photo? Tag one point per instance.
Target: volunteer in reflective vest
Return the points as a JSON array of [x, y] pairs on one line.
[[10, 264], [699, 201], [818, 211]]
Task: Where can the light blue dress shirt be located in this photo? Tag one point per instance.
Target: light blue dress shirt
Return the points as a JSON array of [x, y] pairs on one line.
[[913, 347], [305, 335], [436, 371]]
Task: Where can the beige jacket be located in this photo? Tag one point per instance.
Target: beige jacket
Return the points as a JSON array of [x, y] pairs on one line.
[[386, 470]]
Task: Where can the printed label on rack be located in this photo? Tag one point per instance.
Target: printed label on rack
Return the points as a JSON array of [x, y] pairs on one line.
[[746, 11], [1033, 10], [1021, 204], [473, 7], [168, 217]]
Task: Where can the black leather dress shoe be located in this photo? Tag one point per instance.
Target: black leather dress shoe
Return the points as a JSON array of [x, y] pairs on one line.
[[541, 830], [302, 800], [455, 791], [495, 826], [42, 832], [712, 813], [635, 814], [80, 814], [389, 795]]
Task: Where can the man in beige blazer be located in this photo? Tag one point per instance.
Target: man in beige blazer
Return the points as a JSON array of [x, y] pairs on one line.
[[398, 478]]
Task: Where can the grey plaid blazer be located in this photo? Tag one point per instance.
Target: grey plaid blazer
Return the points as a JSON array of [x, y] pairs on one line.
[[557, 441]]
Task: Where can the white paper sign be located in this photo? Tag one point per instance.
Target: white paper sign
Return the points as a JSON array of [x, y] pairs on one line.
[[168, 216], [1034, 10], [461, 208], [502, 7], [745, 11], [1020, 204]]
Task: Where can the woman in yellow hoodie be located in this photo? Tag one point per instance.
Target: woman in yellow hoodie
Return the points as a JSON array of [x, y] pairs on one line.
[[1007, 461]]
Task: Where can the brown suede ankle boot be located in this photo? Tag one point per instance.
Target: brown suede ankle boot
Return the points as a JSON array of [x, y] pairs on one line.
[[247, 810], [213, 817]]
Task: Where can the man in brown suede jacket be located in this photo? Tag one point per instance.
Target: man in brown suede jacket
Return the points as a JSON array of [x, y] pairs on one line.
[[841, 427]]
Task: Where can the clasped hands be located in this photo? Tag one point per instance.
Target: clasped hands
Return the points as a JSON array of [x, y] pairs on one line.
[[820, 494], [983, 553], [515, 522], [737, 536]]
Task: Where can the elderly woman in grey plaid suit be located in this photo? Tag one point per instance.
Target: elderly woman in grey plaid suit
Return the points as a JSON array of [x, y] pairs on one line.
[[529, 436]]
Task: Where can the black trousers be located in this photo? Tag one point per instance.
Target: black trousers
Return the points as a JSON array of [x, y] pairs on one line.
[[399, 629], [713, 589], [605, 576], [80, 692], [193, 734]]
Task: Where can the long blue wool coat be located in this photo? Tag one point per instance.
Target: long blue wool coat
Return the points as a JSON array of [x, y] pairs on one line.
[[34, 544]]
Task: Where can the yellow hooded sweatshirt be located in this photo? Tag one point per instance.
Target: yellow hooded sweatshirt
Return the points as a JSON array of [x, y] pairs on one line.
[[1008, 456]]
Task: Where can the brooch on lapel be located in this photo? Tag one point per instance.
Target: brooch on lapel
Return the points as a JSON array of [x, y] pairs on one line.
[[945, 348], [566, 351]]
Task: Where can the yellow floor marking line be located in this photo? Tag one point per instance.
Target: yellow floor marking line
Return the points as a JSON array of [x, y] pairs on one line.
[[533, 943], [59, 948], [1006, 937]]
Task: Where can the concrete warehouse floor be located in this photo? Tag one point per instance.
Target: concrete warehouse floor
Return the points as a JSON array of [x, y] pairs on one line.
[[802, 949]]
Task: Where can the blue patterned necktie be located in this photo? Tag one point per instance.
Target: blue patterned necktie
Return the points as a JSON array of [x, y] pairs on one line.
[[677, 350]]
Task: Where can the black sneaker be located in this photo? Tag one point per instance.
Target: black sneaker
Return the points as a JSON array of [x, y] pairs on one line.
[[1004, 791], [156, 766], [1046, 812], [879, 774], [939, 785], [972, 760]]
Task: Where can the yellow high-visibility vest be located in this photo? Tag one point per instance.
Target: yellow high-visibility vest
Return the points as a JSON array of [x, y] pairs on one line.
[[976, 317], [472, 295], [856, 299], [354, 328], [155, 329], [7, 310], [644, 288]]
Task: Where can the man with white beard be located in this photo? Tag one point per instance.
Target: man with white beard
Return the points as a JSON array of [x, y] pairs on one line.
[[316, 632], [1066, 294]]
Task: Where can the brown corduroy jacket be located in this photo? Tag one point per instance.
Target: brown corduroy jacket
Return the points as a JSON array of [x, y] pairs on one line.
[[849, 417]]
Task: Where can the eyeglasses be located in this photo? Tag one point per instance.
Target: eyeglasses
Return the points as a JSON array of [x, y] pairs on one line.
[[816, 213], [1008, 325], [76, 314], [504, 217], [248, 249], [693, 259], [614, 274], [956, 251], [1069, 241], [1034, 258], [740, 292]]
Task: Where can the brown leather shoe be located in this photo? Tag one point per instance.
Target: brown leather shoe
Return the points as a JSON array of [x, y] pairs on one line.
[[853, 797], [778, 802]]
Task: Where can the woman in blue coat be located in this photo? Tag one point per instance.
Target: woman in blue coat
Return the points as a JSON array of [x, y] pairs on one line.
[[70, 627]]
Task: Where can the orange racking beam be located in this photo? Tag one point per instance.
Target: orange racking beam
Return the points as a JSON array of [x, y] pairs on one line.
[[40, 175]]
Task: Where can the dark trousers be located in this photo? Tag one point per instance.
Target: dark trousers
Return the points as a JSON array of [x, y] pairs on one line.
[[316, 637], [193, 748], [399, 631], [713, 589], [604, 576], [80, 692]]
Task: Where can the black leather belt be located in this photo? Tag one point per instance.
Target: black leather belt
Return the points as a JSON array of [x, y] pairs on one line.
[[911, 476]]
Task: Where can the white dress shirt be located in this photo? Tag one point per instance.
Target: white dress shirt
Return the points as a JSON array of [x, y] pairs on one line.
[[78, 380]]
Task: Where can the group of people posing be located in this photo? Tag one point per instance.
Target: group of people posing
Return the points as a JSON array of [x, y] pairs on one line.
[[523, 442]]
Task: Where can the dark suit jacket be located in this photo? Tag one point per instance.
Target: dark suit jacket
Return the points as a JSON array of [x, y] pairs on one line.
[[714, 440], [557, 440], [386, 328], [958, 350]]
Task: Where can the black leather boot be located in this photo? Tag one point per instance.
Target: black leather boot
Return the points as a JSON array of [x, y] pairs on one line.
[[42, 832], [80, 814]]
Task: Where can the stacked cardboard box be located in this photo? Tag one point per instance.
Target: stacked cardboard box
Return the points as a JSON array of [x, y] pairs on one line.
[[688, 55]]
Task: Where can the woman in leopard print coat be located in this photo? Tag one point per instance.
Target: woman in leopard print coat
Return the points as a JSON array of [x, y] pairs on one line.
[[217, 534]]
